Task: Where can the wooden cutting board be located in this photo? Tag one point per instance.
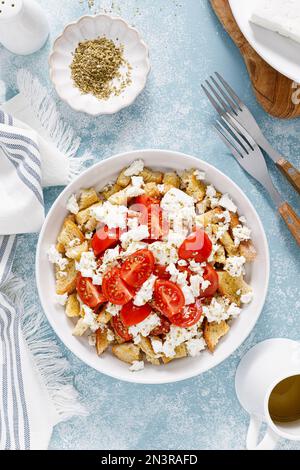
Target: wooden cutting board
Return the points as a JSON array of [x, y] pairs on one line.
[[277, 94]]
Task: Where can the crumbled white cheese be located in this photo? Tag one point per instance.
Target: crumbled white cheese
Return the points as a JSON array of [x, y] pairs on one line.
[[194, 346], [243, 220], [221, 230], [217, 310], [110, 335], [196, 281], [188, 295], [137, 366], [197, 268], [247, 298], [110, 214], [134, 235], [92, 339], [110, 258], [113, 309], [133, 223], [74, 242], [133, 191], [211, 191], [234, 265], [227, 203], [56, 258], [137, 181], [177, 276], [241, 233], [61, 299], [233, 310], [202, 208], [176, 239], [200, 175], [177, 336], [89, 235], [225, 215], [157, 345], [180, 209], [145, 293], [132, 248], [135, 168], [90, 318], [87, 264], [72, 205], [145, 327], [182, 262], [164, 253], [205, 284], [161, 188]]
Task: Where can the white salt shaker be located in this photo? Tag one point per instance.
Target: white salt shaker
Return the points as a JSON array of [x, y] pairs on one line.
[[24, 28]]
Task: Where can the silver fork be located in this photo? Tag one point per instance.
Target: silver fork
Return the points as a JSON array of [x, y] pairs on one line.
[[227, 103], [248, 154]]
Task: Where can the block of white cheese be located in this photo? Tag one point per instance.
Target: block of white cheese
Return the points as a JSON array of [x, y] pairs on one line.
[[281, 16]]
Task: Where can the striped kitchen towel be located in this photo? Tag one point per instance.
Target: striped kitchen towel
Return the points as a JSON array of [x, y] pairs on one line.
[[36, 392]]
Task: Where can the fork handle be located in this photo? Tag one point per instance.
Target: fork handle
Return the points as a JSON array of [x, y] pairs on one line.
[[290, 172], [291, 219]]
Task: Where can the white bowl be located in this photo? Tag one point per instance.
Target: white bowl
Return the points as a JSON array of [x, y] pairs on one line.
[[258, 274], [91, 27]]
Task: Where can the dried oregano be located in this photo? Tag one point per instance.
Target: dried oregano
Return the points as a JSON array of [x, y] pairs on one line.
[[99, 68]]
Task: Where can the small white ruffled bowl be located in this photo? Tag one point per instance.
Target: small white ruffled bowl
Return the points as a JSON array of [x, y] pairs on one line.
[[136, 53]]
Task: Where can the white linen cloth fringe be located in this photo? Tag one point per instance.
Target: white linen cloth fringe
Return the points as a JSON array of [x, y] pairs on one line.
[[36, 388]]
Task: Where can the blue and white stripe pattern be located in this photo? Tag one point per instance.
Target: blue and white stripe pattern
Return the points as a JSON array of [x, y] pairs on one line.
[[23, 154]]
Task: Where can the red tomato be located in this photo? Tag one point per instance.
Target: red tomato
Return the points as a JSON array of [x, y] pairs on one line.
[[189, 315], [183, 269], [132, 315], [104, 238], [197, 246], [120, 328], [145, 200], [163, 328], [137, 268], [161, 272], [115, 289], [168, 297], [151, 214], [211, 275], [89, 294]]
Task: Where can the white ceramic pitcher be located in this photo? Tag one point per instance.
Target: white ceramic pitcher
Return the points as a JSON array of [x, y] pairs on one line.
[[24, 27], [260, 370]]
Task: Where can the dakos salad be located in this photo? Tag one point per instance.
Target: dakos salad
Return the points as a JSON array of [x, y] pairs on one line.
[[152, 266]]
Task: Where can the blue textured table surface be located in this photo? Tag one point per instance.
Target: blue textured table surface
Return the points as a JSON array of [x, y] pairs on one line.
[[186, 44]]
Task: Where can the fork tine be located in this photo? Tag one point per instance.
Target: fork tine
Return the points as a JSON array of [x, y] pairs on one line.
[[241, 130], [230, 91], [231, 122], [219, 98], [229, 101], [228, 144], [233, 137], [212, 100]]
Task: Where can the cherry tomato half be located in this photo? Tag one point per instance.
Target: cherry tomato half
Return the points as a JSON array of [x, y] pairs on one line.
[[137, 268], [104, 238], [161, 272], [115, 289], [132, 315], [197, 246], [211, 275], [163, 328], [188, 316], [168, 297], [120, 328], [89, 294]]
